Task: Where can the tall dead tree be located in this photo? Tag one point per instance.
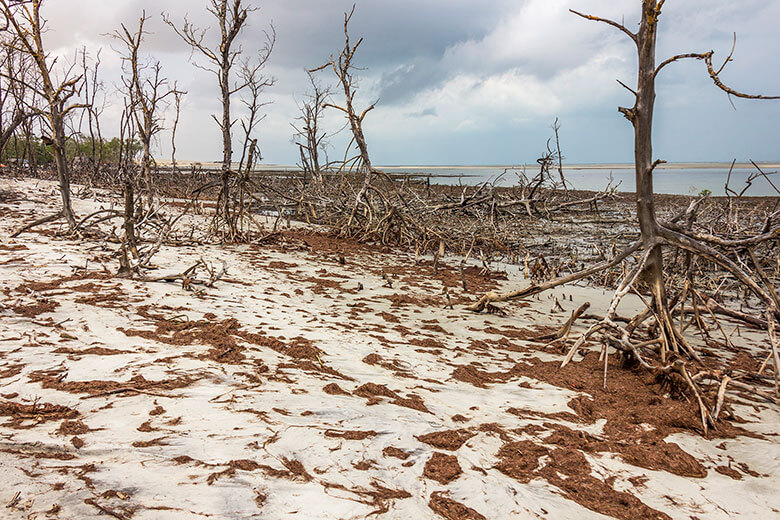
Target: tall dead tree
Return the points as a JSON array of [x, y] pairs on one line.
[[20, 67], [656, 235], [342, 66], [145, 96], [256, 83], [24, 21], [231, 17]]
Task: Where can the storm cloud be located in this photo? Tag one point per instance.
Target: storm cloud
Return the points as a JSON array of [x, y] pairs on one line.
[[468, 82]]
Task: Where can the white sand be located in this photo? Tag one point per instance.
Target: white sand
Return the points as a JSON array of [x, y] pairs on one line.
[[291, 411]]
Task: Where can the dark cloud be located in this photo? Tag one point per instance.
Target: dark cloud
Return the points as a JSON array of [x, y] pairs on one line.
[[469, 81]]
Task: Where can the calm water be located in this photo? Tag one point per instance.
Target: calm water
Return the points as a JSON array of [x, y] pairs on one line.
[[679, 181]]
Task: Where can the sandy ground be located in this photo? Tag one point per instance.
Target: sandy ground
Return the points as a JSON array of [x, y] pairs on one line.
[[328, 380]]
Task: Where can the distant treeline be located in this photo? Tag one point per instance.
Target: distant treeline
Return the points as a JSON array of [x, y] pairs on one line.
[[38, 151]]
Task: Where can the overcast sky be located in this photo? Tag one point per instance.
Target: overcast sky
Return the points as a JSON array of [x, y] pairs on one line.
[[466, 81]]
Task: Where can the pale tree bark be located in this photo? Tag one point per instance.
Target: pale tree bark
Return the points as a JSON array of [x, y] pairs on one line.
[[178, 96]]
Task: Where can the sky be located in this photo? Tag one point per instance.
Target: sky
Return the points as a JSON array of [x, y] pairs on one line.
[[462, 81]]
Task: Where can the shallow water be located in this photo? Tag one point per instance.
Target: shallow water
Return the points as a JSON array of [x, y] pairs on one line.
[[678, 181]]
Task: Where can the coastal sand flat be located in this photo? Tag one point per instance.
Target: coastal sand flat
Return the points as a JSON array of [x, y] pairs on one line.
[[304, 386]]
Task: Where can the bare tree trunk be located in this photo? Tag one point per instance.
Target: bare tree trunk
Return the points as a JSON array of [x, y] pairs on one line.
[[19, 117], [641, 116], [227, 143], [177, 97], [342, 67], [63, 170], [310, 136]]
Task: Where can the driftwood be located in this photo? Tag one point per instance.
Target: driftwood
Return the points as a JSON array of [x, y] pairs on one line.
[[188, 275], [563, 332], [493, 297], [39, 222]]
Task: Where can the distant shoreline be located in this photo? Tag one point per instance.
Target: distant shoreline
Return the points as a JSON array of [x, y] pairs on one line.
[[587, 166], [605, 166]]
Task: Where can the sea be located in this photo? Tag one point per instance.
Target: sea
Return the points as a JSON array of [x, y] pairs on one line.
[[677, 179], [760, 180]]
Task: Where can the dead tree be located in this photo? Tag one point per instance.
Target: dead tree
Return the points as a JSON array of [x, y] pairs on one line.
[[559, 156], [231, 18], [256, 83], [93, 86], [20, 66], [24, 21], [656, 235], [342, 66], [309, 135], [12, 109], [127, 175], [147, 91], [178, 96]]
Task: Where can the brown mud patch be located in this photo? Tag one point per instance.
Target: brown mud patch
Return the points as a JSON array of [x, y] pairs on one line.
[[296, 468], [398, 453], [218, 335], [56, 283], [450, 440], [32, 310], [37, 413], [72, 428], [442, 468], [13, 247], [639, 417], [91, 351], [373, 392], [474, 375], [11, 371], [395, 366], [159, 441], [632, 400], [350, 435], [334, 389], [569, 471], [447, 508], [53, 379], [402, 300], [222, 337]]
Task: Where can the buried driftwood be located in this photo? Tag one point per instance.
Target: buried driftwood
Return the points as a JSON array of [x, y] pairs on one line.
[[38, 222], [187, 276]]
